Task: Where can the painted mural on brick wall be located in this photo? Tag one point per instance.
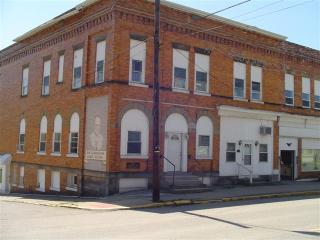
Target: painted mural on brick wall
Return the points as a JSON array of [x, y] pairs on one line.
[[96, 133]]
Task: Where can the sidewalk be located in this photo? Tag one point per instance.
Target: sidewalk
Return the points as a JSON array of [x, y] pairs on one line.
[[142, 199]]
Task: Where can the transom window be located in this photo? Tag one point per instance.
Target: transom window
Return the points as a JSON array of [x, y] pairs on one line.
[[263, 152], [231, 152], [134, 142]]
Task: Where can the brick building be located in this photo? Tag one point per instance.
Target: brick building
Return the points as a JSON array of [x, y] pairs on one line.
[[76, 98]]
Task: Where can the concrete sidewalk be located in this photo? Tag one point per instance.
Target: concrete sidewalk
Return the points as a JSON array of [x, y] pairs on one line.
[[142, 199]]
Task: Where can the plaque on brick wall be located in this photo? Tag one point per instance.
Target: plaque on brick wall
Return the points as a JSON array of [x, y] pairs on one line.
[[96, 134], [133, 165]]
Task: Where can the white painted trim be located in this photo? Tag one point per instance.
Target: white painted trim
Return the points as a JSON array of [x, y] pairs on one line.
[[20, 152], [55, 154], [202, 93], [72, 155], [135, 84], [41, 153], [259, 102], [135, 156]]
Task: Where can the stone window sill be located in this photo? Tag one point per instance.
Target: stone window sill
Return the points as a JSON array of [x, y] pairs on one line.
[[40, 190], [134, 156], [20, 152], [135, 84], [257, 101], [72, 155], [180, 90], [202, 93], [41, 153], [240, 99], [55, 154]]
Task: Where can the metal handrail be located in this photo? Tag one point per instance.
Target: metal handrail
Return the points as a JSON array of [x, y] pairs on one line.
[[200, 168], [249, 170], [174, 168]]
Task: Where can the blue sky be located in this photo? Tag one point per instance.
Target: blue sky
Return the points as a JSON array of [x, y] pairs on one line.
[[301, 23]]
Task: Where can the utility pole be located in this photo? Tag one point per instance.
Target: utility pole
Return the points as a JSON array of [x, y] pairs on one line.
[[155, 110]]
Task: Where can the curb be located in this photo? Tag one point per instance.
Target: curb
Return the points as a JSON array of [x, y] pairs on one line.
[[172, 203]]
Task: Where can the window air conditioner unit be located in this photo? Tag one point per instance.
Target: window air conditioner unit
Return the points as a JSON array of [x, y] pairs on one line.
[[265, 130]]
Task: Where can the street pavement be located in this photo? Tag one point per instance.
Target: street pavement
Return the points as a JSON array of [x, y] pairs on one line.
[[142, 199], [276, 218]]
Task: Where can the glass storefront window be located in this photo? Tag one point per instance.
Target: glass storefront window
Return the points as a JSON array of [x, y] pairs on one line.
[[310, 160]]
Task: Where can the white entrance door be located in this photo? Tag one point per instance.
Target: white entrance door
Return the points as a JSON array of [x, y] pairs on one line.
[[41, 180], [246, 159], [174, 149], [2, 180]]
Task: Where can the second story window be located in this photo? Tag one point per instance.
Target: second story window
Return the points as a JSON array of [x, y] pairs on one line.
[[77, 68], [43, 135], [74, 134], [46, 77], [100, 61], [180, 69], [317, 94], [239, 75], [201, 73], [305, 92], [60, 70], [256, 80], [137, 61], [21, 139], [289, 89], [25, 81]]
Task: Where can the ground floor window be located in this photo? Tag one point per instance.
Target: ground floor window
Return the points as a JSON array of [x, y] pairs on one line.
[[310, 160], [55, 180], [72, 181], [134, 142], [74, 137], [263, 152], [231, 152], [21, 176], [204, 144]]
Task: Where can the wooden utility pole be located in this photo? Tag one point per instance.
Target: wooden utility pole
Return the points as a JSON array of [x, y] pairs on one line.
[[155, 111]]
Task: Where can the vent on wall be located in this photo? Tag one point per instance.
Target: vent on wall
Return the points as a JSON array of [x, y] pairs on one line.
[[265, 130]]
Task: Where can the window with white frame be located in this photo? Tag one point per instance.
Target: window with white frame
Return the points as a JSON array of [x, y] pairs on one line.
[[231, 152], [201, 73], [43, 135], [247, 154], [55, 181], [100, 61], [74, 134], [77, 68], [289, 89], [46, 77], [25, 81], [263, 152], [239, 76], [57, 130], [204, 136], [137, 61], [256, 83], [22, 132], [134, 142], [306, 92], [180, 69], [60, 68], [317, 94], [21, 176], [72, 181], [134, 134]]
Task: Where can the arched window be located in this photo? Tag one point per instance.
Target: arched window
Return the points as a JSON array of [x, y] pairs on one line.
[[57, 129], [22, 132], [74, 134], [204, 138], [43, 134], [134, 134]]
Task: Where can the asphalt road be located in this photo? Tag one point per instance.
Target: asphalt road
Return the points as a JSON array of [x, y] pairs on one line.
[[287, 218]]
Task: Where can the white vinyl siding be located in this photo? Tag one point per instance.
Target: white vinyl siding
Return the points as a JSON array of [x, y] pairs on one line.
[[100, 61], [180, 69], [60, 70], [317, 94], [289, 89], [239, 80], [77, 68], [46, 77], [25, 81], [306, 92], [256, 83], [201, 73], [137, 61]]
